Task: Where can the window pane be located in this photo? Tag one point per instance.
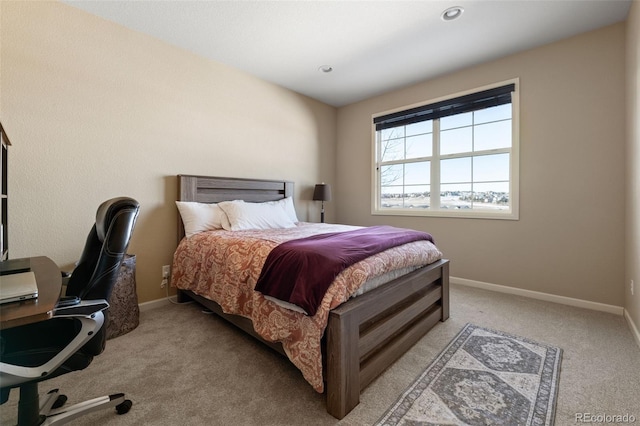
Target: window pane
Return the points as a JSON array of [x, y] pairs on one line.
[[487, 168], [457, 120], [492, 135], [391, 175], [391, 197], [391, 149], [392, 133], [501, 112], [417, 173], [455, 196], [457, 170], [491, 196], [417, 197], [419, 128], [419, 146], [456, 141], [392, 190]]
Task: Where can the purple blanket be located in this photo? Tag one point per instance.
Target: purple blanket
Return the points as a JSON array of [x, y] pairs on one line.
[[301, 271]]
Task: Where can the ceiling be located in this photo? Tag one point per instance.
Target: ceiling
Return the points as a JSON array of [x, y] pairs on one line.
[[372, 46]]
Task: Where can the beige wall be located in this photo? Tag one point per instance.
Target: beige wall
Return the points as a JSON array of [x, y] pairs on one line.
[[632, 303], [569, 240], [95, 111]]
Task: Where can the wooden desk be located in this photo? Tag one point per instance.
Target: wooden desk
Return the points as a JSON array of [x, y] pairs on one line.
[[49, 282]]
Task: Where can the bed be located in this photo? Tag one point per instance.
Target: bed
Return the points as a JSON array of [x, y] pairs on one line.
[[365, 334]]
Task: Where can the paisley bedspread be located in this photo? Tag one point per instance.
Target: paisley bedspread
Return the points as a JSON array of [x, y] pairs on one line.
[[224, 266]]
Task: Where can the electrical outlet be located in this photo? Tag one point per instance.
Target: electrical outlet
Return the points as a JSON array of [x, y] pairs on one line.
[[166, 271]]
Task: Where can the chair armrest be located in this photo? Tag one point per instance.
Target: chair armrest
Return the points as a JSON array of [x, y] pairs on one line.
[[85, 308], [67, 301]]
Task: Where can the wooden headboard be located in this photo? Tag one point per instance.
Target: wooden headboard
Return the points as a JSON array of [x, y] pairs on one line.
[[211, 189]]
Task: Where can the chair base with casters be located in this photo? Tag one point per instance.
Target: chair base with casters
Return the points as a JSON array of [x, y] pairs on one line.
[[51, 409]]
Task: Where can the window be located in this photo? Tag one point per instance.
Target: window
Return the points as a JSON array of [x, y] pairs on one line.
[[455, 157]]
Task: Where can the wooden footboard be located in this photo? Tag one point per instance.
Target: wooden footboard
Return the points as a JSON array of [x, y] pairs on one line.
[[368, 333]]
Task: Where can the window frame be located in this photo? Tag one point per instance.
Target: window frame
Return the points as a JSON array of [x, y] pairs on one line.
[[514, 162]]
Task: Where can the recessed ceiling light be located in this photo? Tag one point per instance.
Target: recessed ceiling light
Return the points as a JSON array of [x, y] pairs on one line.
[[452, 13], [325, 68]]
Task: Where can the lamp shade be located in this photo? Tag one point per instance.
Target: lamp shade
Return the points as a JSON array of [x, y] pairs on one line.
[[322, 192]]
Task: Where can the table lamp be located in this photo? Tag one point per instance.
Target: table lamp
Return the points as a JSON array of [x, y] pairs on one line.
[[322, 193]]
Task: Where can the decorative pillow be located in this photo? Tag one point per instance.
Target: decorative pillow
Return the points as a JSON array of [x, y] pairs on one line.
[[244, 216], [199, 217]]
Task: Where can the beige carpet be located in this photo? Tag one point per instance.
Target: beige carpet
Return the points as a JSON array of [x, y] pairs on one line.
[[183, 367]]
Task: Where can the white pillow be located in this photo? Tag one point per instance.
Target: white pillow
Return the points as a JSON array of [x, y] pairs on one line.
[[244, 216], [199, 217], [287, 204]]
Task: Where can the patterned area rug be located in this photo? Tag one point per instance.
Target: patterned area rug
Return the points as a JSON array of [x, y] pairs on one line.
[[484, 377]]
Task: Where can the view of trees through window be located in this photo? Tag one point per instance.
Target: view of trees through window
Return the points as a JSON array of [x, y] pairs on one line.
[[457, 162]]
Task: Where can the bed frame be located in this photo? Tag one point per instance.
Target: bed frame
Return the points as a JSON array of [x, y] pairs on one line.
[[366, 334]]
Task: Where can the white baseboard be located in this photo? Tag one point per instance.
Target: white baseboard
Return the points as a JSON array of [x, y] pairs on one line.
[[632, 327], [618, 310], [154, 304]]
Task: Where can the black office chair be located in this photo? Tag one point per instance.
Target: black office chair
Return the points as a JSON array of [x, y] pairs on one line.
[[77, 331]]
